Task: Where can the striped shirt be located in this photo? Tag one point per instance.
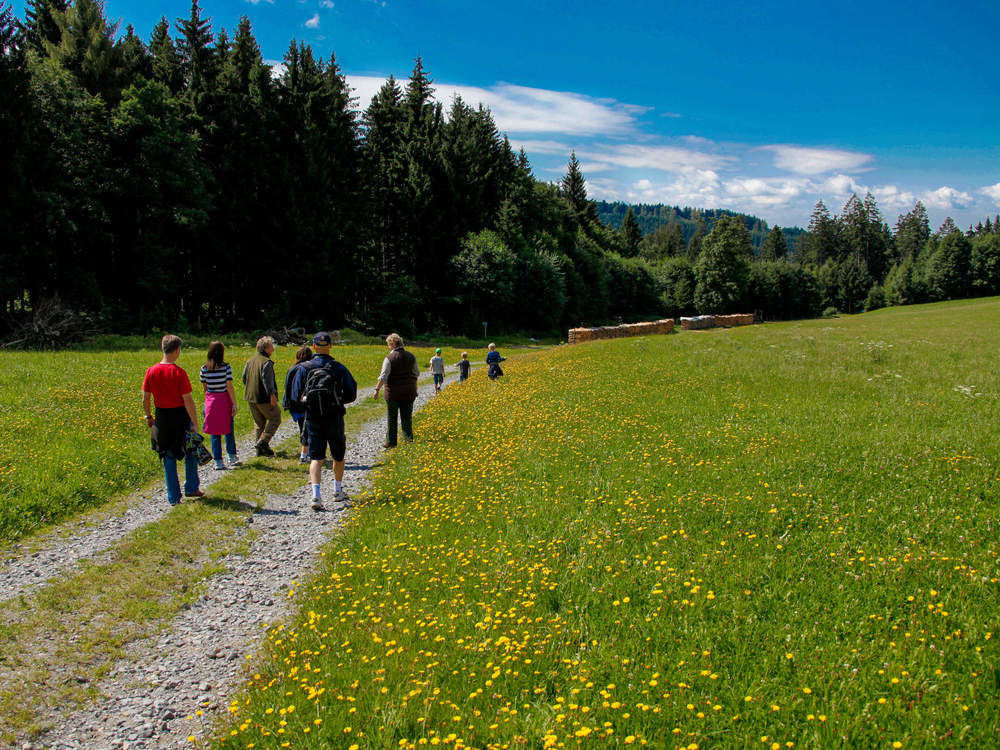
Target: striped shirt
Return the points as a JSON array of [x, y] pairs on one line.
[[215, 380]]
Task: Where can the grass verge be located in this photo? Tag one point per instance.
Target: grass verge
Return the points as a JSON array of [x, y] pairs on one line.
[[778, 536]]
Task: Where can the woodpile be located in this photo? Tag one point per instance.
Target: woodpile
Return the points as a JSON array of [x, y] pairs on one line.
[[698, 322], [579, 335], [742, 319]]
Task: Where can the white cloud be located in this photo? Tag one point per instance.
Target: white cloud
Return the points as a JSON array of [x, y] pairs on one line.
[[805, 160], [946, 198], [841, 186], [522, 109], [992, 192], [326, 3], [313, 23], [661, 158], [257, 2], [542, 147], [764, 192], [890, 197]]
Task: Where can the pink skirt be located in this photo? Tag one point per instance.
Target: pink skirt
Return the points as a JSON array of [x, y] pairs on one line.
[[218, 414]]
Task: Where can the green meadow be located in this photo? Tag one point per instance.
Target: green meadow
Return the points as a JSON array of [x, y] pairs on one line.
[[72, 433], [768, 537]]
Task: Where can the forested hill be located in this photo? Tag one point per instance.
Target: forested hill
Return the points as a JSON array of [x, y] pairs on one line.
[[653, 216]]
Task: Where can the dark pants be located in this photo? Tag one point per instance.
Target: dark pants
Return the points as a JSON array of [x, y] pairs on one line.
[[405, 411]]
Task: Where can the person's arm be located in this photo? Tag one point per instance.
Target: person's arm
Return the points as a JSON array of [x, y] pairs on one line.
[[147, 399], [416, 367], [270, 384], [232, 394], [383, 376], [191, 409], [245, 366]]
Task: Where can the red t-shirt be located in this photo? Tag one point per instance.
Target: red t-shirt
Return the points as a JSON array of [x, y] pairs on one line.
[[168, 384]]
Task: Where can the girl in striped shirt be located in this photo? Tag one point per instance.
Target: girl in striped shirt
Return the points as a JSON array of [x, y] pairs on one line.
[[220, 403]]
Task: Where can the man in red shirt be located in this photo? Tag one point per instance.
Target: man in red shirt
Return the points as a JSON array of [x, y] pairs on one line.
[[168, 387]]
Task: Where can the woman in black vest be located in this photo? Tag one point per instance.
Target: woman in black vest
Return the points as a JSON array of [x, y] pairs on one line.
[[399, 376]]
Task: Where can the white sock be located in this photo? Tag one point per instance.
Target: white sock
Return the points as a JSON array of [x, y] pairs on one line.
[[315, 492], [337, 486]]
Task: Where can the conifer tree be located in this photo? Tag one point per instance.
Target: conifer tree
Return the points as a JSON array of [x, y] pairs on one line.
[[574, 186], [197, 58], [912, 232], [774, 247], [40, 25], [86, 48], [166, 62], [631, 234], [133, 57]]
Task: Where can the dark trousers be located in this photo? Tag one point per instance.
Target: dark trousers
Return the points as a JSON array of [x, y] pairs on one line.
[[405, 411]]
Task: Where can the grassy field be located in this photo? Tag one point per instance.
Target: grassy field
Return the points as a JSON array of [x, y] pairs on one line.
[[71, 428], [768, 537]]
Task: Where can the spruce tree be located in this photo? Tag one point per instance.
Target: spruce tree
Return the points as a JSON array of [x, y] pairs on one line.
[[133, 57], [631, 234], [40, 25], [912, 232], [197, 58], [166, 62], [574, 186], [86, 48], [774, 247]]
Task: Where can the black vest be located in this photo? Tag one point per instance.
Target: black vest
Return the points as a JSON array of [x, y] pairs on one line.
[[401, 385]]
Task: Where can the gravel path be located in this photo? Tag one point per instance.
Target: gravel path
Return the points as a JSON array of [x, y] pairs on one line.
[[197, 664], [28, 565], [38, 561]]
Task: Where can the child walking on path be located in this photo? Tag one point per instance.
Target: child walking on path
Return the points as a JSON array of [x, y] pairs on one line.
[[293, 401], [437, 369], [220, 403], [493, 359], [464, 366]]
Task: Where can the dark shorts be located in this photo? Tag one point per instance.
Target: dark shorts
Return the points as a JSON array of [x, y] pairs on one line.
[[438, 379], [323, 432], [300, 421]]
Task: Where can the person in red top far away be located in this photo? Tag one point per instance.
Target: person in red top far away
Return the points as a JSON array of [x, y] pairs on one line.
[[168, 387]]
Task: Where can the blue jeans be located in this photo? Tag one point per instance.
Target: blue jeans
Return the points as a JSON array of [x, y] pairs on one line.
[[217, 445], [173, 483]]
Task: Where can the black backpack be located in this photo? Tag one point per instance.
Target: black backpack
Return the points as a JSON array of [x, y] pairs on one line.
[[322, 394]]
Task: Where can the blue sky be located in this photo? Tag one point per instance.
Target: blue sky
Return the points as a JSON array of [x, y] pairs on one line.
[[763, 107]]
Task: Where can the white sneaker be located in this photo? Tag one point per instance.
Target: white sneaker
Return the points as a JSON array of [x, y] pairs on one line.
[[317, 504]]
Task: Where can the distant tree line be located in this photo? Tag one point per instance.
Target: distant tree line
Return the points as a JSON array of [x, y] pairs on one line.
[[179, 181]]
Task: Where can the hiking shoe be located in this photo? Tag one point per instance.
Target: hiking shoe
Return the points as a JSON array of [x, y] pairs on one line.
[[317, 504], [196, 493], [304, 460], [220, 467], [341, 497], [263, 449], [233, 461], [388, 446]]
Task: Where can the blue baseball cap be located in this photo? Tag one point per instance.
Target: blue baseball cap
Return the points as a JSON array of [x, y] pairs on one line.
[[322, 339]]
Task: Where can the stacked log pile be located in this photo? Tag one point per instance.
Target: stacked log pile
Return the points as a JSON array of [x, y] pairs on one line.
[[742, 319], [698, 322], [579, 335]]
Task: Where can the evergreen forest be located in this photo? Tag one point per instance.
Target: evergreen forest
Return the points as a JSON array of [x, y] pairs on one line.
[[176, 180]]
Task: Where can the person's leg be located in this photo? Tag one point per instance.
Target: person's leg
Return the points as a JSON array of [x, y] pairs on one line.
[[303, 441], [191, 479], [406, 417], [273, 414], [391, 411], [217, 451], [231, 443], [258, 419], [317, 452], [338, 447], [173, 483]]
